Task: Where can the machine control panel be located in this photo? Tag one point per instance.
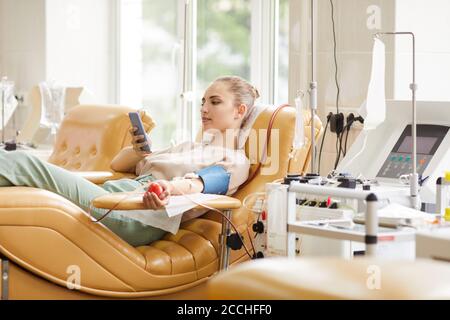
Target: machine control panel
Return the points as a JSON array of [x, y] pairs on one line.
[[399, 161]]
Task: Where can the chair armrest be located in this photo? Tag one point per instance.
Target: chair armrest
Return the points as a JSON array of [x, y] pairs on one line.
[[133, 201], [100, 177]]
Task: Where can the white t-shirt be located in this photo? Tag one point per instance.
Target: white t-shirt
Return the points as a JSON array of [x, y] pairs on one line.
[[187, 158], [190, 157]]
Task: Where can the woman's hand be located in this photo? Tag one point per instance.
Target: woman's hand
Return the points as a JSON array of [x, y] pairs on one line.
[[153, 202], [137, 143]]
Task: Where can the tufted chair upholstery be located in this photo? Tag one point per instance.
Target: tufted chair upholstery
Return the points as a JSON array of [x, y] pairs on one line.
[[46, 236], [90, 137]]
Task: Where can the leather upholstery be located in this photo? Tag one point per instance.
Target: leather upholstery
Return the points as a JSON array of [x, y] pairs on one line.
[[125, 201], [332, 278], [90, 137], [46, 234]]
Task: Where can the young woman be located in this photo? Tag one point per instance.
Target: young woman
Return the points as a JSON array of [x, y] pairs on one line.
[[216, 165]]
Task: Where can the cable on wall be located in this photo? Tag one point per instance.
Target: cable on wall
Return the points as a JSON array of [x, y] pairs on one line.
[[338, 89], [336, 78]]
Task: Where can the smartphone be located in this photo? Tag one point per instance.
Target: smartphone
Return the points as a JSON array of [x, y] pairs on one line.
[[137, 122]]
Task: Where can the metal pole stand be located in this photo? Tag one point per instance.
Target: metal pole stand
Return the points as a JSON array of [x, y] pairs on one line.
[[414, 177], [3, 114], [5, 278], [313, 92], [313, 105], [224, 248], [371, 240]]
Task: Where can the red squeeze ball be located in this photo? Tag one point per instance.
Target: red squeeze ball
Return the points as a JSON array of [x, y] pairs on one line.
[[155, 188]]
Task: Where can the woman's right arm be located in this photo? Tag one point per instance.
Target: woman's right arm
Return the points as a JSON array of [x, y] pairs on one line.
[[127, 159]]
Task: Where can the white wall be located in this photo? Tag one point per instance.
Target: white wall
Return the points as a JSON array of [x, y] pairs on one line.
[[354, 54], [354, 49], [430, 21], [80, 45], [22, 51], [69, 41], [22, 41]]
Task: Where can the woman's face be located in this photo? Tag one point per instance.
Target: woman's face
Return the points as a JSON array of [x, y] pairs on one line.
[[218, 110]]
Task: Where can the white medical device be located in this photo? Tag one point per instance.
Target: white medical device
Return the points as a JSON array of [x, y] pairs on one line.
[[433, 244], [299, 229], [387, 152]]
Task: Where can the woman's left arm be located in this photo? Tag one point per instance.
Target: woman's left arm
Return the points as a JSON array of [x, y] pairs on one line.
[[186, 186], [223, 178], [175, 187]]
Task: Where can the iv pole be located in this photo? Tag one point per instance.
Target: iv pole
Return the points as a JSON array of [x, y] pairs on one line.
[[3, 84], [3, 117], [313, 95], [414, 177]]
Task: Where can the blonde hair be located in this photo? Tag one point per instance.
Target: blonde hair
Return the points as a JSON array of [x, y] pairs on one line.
[[242, 90]]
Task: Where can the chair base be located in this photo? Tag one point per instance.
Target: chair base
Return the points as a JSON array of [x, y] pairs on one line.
[[24, 285]]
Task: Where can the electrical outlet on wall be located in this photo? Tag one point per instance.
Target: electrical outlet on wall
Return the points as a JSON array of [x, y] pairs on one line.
[[346, 111]]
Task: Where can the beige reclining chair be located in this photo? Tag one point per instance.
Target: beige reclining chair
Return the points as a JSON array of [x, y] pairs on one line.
[[333, 278], [47, 241]]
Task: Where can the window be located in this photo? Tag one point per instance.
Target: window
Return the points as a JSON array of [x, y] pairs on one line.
[[223, 42], [224, 31], [283, 54], [150, 66], [170, 50]]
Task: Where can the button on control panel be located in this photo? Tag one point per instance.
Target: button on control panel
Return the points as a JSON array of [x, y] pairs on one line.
[[399, 161], [398, 164]]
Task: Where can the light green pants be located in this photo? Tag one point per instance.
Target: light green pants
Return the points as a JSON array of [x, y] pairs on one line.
[[19, 168]]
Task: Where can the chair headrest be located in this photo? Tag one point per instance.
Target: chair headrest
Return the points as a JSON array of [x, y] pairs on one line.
[[248, 123]]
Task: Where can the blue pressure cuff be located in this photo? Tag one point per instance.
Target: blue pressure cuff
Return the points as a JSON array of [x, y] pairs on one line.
[[215, 180]]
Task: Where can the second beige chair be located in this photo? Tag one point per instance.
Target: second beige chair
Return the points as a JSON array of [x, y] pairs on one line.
[[332, 278]]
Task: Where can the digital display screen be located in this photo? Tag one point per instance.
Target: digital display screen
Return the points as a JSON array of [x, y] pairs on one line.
[[424, 145]]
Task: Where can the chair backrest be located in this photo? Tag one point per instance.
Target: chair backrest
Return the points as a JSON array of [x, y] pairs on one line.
[[90, 136], [281, 158], [72, 97]]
